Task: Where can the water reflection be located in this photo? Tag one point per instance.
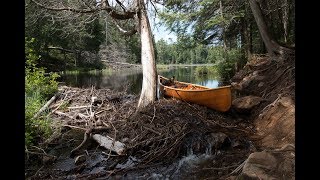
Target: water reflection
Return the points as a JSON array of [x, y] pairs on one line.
[[187, 74], [131, 80]]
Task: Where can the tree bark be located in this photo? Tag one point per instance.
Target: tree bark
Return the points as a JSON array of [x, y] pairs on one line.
[[149, 82], [223, 29], [285, 20], [247, 39], [272, 47]]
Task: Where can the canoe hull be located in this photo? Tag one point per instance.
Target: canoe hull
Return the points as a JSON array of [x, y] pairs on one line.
[[215, 98]]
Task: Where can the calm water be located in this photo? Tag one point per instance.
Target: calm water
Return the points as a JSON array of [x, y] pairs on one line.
[[131, 80]]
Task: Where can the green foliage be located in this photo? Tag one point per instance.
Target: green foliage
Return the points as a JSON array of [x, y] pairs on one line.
[[180, 52], [201, 70], [203, 20], [226, 67], [205, 70], [35, 78], [39, 87], [228, 22], [55, 30], [134, 45], [35, 129]]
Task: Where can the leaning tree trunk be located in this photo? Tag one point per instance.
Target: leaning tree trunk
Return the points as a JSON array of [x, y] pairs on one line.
[[285, 17], [149, 82], [223, 29], [272, 47], [248, 39]]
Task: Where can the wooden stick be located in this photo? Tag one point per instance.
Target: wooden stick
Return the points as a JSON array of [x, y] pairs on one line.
[[30, 152], [63, 100], [154, 114], [63, 114], [75, 127], [78, 107], [82, 115], [152, 130], [86, 134]]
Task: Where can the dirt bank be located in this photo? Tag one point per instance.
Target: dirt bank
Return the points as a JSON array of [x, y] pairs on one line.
[[273, 115]]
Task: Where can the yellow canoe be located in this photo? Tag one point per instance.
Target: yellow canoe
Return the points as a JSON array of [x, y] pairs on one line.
[[215, 98]]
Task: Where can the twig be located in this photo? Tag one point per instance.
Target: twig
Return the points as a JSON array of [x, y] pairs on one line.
[[75, 127], [154, 114], [37, 153], [107, 125], [103, 110], [63, 114], [115, 133], [58, 105], [82, 115], [39, 149], [152, 130], [36, 172], [238, 168], [78, 107], [221, 168], [86, 134]]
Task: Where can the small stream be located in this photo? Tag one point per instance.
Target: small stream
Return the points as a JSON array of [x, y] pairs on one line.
[[194, 164]]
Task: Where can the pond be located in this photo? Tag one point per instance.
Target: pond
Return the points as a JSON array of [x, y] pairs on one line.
[[131, 79]]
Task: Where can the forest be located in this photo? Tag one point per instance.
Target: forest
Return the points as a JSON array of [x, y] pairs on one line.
[[97, 132]]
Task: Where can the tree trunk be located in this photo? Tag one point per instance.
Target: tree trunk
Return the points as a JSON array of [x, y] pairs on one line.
[[149, 82], [285, 20], [272, 47], [248, 39], [223, 29]]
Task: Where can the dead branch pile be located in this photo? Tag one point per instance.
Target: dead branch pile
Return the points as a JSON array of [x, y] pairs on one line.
[[89, 108], [158, 133]]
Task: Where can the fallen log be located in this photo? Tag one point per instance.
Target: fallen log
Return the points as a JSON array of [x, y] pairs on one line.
[[44, 107], [108, 143]]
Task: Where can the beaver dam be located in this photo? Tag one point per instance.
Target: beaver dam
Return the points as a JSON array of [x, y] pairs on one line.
[[98, 134]]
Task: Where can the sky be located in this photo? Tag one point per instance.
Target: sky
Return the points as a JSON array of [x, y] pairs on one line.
[[160, 31]]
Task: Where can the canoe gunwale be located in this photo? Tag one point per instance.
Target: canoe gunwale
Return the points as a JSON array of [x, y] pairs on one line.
[[188, 90]]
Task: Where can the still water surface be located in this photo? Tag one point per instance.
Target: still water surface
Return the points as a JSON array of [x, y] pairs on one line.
[[131, 79]]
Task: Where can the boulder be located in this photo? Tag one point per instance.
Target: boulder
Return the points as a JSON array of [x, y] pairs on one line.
[[259, 165], [245, 104], [275, 126], [268, 165]]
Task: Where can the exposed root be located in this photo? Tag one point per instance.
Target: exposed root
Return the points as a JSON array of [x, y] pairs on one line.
[[86, 134]]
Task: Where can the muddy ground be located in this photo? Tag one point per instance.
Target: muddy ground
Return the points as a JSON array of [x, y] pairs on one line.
[[172, 139]]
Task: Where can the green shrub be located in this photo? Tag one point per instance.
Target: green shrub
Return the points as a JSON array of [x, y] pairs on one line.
[[201, 70], [226, 67], [39, 87]]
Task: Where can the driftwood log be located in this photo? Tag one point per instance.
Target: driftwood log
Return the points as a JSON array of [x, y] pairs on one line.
[[109, 143]]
